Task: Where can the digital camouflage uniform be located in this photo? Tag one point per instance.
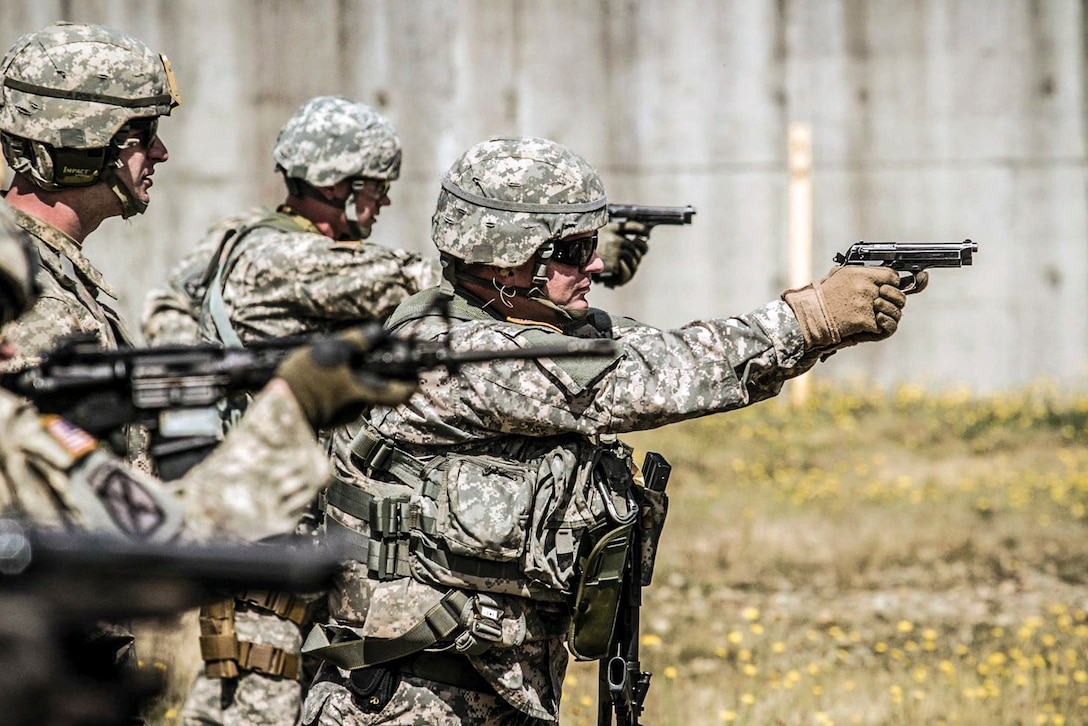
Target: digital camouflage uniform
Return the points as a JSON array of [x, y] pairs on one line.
[[494, 468], [171, 313], [70, 94], [281, 282], [256, 484], [74, 298], [278, 275], [53, 474], [72, 89]]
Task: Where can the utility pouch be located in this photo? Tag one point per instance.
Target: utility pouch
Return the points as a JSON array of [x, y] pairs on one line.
[[371, 688], [597, 599], [483, 507]]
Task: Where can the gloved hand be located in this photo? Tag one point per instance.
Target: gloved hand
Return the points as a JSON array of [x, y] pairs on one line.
[[850, 305], [329, 384], [621, 246]]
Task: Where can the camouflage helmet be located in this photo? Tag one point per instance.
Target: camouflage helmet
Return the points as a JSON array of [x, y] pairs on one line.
[[67, 92], [505, 198], [74, 86], [330, 139]]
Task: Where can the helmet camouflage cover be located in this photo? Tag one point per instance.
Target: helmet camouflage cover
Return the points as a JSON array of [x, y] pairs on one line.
[[74, 85], [505, 197], [330, 139]]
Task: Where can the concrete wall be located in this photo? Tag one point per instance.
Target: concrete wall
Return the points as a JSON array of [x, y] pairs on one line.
[[932, 120]]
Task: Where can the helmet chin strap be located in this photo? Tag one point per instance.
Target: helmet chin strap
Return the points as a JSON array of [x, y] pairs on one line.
[[534, 293], [130, 205]]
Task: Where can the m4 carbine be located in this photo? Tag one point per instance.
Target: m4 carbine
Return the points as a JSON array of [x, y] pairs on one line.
[[55, 585], [909, 258], [174, 391]]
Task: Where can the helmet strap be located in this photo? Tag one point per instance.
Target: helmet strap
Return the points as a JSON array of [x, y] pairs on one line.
[[130, 205]]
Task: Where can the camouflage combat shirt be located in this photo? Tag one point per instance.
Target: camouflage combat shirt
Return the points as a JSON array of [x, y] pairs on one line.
[[255, 484], [660, 377], [171, 313], [280, 283], [74, 297]]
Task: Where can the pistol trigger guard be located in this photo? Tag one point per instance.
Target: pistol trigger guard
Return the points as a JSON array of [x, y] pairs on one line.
[[909, 280]]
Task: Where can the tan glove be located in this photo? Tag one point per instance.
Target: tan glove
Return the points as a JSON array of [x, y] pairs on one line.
[[331, 385], [851, 305], [621, 247]]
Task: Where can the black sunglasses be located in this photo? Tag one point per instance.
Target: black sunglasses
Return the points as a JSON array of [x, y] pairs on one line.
[[146, 130], [576, 252], [376, 188]]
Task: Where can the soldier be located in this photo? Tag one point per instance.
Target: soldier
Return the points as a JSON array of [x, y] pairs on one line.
[[255, 485], [473, 506], [79, 112], [302, 268]]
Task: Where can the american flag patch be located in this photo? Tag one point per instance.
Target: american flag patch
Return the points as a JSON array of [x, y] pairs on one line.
[[75, 440]]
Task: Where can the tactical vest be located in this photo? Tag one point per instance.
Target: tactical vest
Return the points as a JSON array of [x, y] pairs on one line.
[[224, 655], [544, 518], [223, 261]]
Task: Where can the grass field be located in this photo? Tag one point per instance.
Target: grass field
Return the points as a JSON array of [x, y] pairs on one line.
[[896, 557], [870, 558]]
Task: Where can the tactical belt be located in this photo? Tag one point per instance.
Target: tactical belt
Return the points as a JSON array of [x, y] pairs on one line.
[[283, 604], [225, 656]]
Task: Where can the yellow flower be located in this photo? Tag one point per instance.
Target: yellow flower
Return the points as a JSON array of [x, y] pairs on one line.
[[747, 699], [750, 614], [735, 637], [904, 626], [651, 640], [778, 647], [669, 672], [727, 716]]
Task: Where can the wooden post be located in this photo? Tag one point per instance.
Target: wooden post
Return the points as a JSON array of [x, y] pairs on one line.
[[800, 227]]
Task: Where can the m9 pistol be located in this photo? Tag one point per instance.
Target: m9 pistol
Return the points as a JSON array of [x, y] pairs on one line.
[[909, 258], [649, 216]]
